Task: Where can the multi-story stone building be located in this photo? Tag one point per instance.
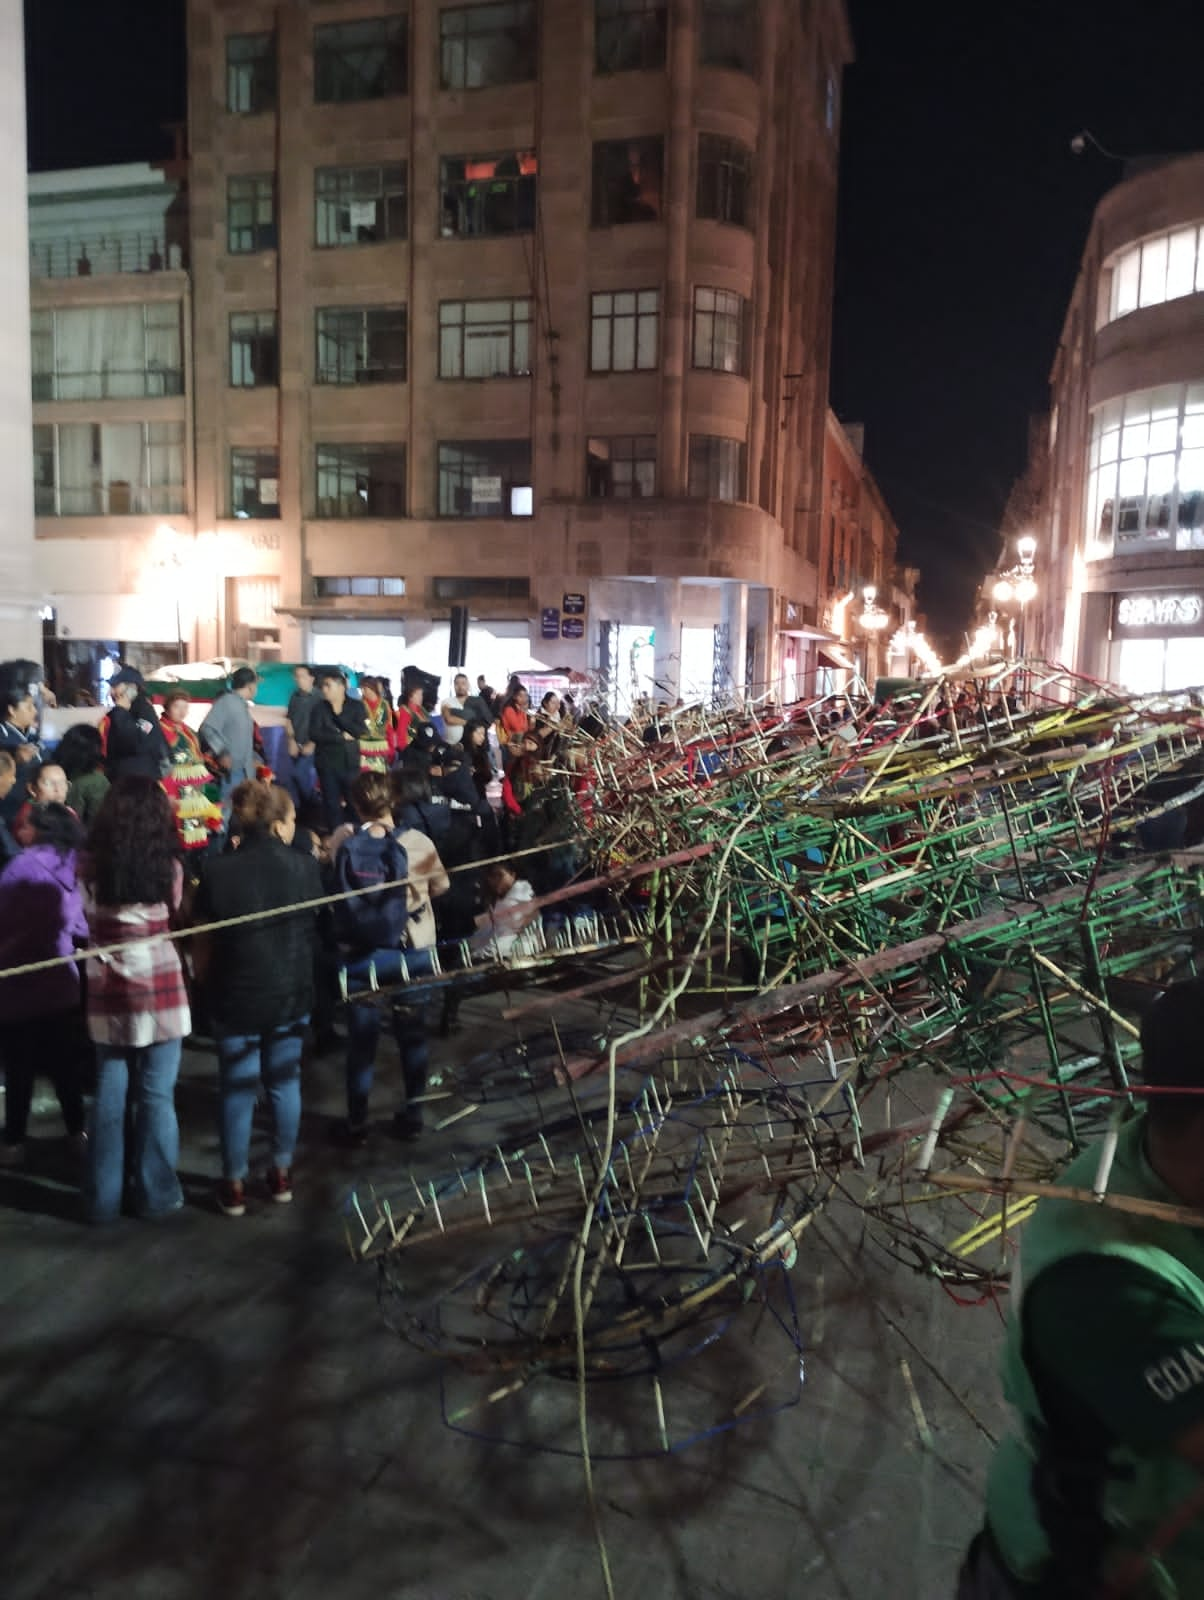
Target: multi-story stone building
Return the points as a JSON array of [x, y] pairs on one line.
[[520, 307], [1120, 519]]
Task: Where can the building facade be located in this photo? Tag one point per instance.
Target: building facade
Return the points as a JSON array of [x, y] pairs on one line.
[[1120, 524], [518, 307]]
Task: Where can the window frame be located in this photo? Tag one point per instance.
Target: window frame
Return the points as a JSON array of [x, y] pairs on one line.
[[515, 474], [146, 497], [515, 368], [259, 456], [727, 168], [252, 339], [732, 29], [1145, 427], [395, 67], [153, 379], [365, 334], [716, 469], [467, 12], [720, 316], [367, 453], [637, 316], [652, 52], [642, 451], [264, 236], [605, 206], [339, 586], [392, 185], [468, 203], [264, 85]]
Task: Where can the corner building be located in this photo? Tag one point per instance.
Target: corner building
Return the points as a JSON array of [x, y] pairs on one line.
[[523, 308], [1120, 525]]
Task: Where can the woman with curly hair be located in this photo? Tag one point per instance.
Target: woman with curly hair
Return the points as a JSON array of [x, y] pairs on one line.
[[137, 1005]]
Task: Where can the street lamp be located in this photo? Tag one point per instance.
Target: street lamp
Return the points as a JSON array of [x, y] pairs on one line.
[[872, 617]]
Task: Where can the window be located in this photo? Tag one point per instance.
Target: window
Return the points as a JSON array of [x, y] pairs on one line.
[[254, 483], [624, 331], [724, 180], [486, 44], [254, 352], [361, 480], [250, 73], [1145, 479], [621, 468], [485, 195], [361, 344], [731, 35], [485, 478], [366, 60], [251, 214], [484, 338], [360, 205], [481, 588], [716, 468], [379, 588], [629, 35], [627, 181], [128, 352], [109, 469], [719, 323], [1163, 268]]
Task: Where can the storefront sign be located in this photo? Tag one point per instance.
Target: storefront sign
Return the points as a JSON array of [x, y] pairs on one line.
[[549, 623], [572, 628], [1159, 611], [574, 605]]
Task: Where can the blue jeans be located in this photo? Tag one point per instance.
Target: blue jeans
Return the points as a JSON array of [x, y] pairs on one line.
[[409, 1013], [303, 779], [145, 1076], [242, 1061]]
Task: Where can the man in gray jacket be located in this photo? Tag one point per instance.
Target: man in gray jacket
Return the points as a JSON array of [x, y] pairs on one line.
[[228, 733]]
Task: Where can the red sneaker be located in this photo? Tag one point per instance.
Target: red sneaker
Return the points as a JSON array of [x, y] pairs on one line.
[[280, 1185], [231, 1198]]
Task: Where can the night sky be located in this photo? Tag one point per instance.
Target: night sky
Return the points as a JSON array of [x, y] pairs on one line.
[[963, 212]]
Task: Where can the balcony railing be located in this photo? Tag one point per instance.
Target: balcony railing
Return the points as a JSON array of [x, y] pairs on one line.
[[158, 383], [108, 253]]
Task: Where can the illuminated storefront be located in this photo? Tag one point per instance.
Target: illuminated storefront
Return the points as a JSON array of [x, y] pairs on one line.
[[1158, 640]]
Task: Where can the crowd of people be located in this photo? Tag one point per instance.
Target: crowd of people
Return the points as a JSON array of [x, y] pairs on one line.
[[216, 902]]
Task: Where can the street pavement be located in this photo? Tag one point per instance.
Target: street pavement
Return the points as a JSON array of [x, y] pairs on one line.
[[206, 1408]]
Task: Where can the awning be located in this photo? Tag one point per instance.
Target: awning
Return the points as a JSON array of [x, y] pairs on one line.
[[833, 656]]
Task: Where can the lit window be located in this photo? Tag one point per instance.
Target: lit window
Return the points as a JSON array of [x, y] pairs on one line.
[[622, 467], [716, 470], [250, 73], [1145, 478], [628, 178], [114, 469], [1165, 267], [624, 331], [629, 35], [484, 477], [334, 588], [123, 352], [254, 483], [730, 35], [360, 480], [487, 44], [488, 195], [360, 205], [724, 180], [484, 338], [254, 353], [719, 324], [251, 214], [365, 60], [361, 344]]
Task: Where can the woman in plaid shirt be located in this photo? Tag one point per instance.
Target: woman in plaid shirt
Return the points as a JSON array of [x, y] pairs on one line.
[[137, 1004]]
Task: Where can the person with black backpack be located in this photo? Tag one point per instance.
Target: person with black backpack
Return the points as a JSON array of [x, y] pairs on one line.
[[386, 929]]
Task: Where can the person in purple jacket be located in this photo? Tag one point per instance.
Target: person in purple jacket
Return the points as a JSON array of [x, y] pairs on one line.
[[41, 1024]]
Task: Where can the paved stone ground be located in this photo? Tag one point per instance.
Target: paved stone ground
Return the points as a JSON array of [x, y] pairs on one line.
[[209, 1409]]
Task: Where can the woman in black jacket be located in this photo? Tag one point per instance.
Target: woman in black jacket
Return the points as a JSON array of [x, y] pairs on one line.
[[337, 725], [258, 980]]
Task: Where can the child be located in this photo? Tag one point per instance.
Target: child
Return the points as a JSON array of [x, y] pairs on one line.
[[47, 787], [508, 927]]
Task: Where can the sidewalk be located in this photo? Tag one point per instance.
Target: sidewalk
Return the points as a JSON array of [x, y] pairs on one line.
[[212, 1409]]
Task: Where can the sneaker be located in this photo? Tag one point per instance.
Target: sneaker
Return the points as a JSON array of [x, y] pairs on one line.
[[280, 1185], [232, 1198], [407, 1124], [12, 1155], [350, 1135]]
